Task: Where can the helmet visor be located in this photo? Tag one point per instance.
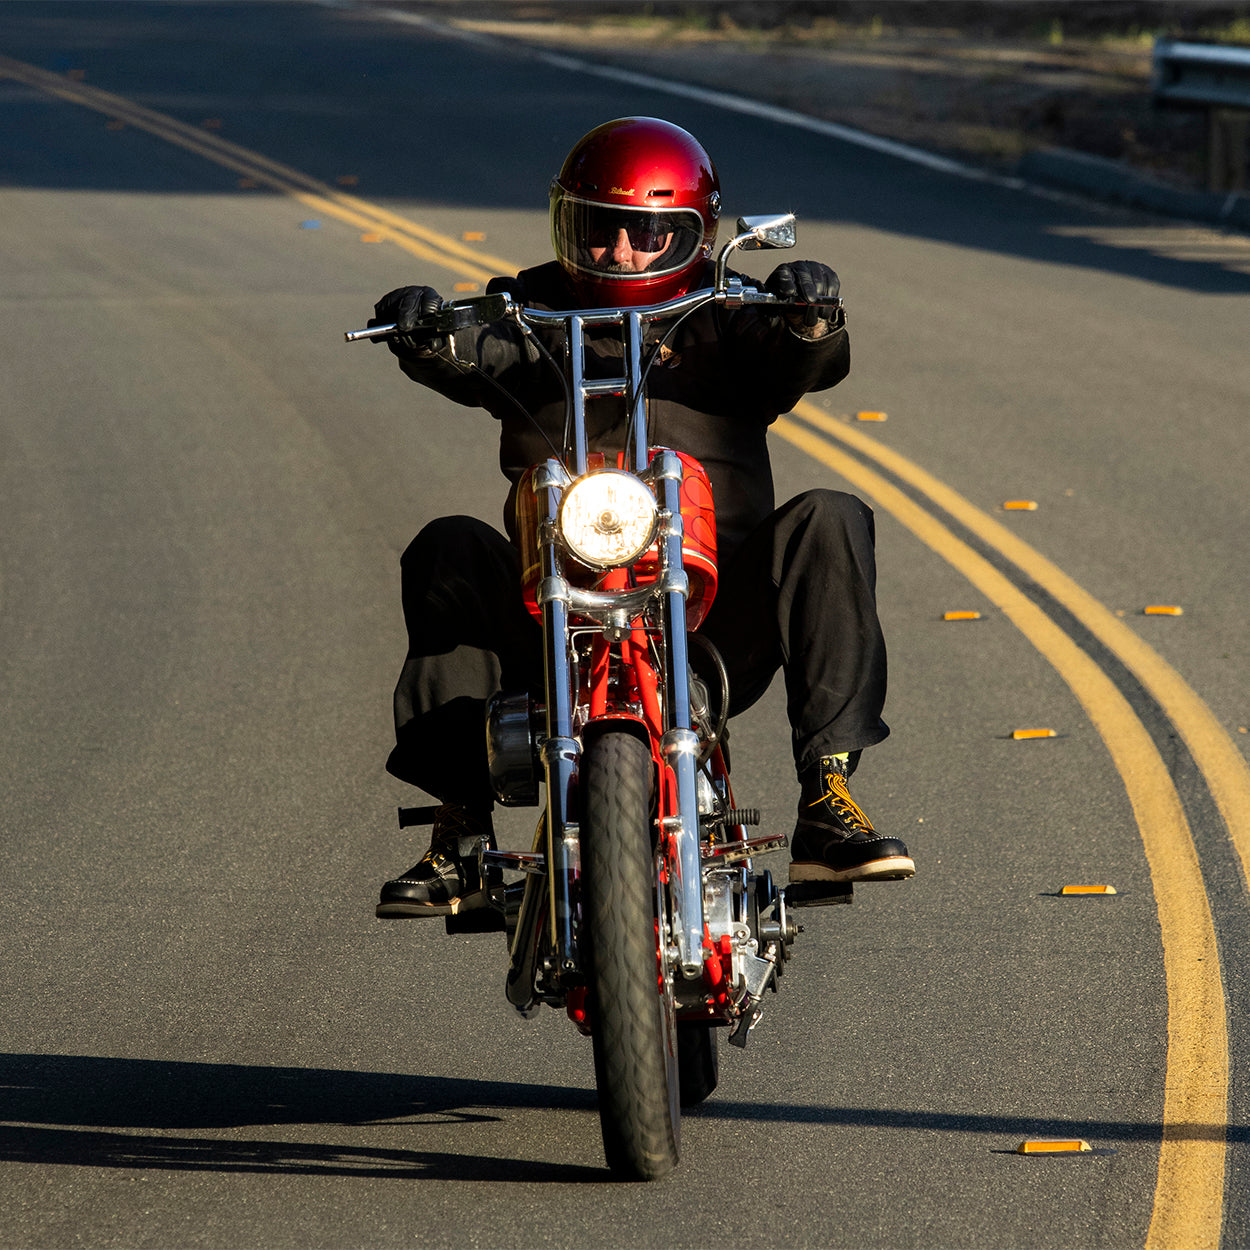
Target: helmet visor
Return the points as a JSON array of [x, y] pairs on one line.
[[622, 241]]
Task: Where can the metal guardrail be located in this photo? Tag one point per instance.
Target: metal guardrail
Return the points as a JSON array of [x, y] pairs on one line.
[[1214, 77], [1201, 75]]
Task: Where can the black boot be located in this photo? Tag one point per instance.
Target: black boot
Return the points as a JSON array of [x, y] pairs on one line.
[[445, 881], [833, 839]]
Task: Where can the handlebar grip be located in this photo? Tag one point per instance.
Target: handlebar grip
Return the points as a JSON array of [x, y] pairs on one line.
[[457, 314], [755, 295]]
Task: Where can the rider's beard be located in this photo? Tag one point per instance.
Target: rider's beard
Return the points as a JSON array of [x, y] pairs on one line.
[[614, 266]]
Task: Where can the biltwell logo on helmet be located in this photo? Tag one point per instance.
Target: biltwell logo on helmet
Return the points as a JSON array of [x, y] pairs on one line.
[[621, 191]]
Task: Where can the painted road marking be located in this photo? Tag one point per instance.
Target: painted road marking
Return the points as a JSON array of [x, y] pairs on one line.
[[1224, 770], [1189, 1193], [1188, 1198], [438, 249]]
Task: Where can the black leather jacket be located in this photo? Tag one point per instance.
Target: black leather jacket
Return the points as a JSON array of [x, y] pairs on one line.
[[728, 374]]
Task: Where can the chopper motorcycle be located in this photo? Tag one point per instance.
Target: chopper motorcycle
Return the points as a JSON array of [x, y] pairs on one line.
[[640, 911]]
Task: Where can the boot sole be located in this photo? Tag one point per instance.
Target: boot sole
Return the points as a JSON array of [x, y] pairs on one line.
[[400, 910], [892, 868]]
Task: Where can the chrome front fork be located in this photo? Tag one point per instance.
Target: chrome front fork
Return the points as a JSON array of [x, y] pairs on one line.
[[561, 752], [679, 746]]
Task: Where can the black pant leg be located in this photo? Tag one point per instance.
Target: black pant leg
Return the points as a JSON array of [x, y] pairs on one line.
[[800, 594], [469, 635]]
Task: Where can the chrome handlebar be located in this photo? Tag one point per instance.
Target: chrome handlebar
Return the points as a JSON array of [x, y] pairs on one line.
[[480, 310]]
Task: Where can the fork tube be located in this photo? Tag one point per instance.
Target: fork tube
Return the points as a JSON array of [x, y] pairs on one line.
[[636, 398], [575, 363], [680, 744], [560, 752]]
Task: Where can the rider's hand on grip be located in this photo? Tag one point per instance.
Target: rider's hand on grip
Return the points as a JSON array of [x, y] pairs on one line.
[[405, 307], [805, 282]]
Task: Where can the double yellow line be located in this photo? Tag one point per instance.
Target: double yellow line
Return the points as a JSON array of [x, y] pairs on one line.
[[260, 171], [1189, 1191]]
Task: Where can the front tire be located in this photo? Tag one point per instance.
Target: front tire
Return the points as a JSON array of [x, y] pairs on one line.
[[633, 1026]]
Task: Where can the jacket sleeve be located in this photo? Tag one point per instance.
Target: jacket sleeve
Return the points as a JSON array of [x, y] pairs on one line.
[[775, 366], [478, 367]]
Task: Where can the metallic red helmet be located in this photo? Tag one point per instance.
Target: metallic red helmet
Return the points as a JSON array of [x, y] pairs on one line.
[[653, 181]]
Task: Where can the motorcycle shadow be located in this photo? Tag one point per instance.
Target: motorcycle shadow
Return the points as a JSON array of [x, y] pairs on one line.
[[59, 1108]]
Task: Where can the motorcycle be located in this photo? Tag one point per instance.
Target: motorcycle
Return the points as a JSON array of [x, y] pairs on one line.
[[640, 911]]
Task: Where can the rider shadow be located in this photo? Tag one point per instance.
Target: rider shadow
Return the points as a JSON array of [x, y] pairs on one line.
[[58, 1108]]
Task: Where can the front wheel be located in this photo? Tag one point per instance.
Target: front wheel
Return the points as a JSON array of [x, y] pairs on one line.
[[634, 1031]]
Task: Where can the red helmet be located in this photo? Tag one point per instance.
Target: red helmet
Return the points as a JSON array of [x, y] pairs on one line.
[[653, 180]]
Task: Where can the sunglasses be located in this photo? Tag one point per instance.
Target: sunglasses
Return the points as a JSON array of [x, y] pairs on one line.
[[645, 234]]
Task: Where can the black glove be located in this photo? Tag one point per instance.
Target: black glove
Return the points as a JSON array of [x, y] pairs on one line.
[[404, 308], [806, 282]]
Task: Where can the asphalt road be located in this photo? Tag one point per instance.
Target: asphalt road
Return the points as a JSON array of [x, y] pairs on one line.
[[209, 1041]]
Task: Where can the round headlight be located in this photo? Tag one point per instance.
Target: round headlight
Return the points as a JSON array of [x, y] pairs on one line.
[[608, 518]]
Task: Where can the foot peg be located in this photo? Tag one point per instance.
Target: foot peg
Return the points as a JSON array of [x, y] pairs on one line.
[[503, 903], [410, 817], [819, 893], [746, 1022], [479, 920]]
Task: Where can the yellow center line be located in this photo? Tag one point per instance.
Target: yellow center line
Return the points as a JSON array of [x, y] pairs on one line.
[[1189, 1192], [1223, 767], [429, 245]]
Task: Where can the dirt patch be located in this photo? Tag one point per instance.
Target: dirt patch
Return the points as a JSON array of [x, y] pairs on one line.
[[983, 82]]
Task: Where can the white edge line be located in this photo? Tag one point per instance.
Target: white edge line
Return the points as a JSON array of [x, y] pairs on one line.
[[722, 99]]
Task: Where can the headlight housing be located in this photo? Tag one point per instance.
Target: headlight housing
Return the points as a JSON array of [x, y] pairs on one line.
[[608, 518]]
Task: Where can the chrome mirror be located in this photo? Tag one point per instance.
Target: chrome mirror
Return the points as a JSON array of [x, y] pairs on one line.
[[765, 232], [755, 233]]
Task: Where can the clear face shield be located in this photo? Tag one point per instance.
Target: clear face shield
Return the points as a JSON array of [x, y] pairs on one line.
[[624, 242]]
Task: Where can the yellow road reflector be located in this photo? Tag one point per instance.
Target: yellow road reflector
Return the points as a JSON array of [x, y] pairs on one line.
[[371, 236], [871, 416], [1088, 889], [1164, 609], [1020, 505], [347, 180], [1052, 1145], [961, 616], [1019, 734], [473, 236], [466, 286]]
